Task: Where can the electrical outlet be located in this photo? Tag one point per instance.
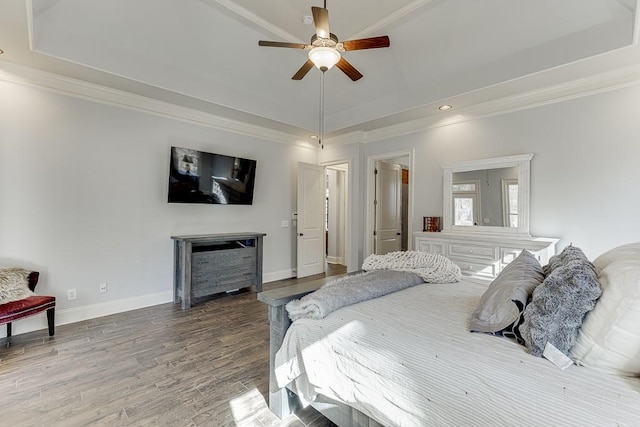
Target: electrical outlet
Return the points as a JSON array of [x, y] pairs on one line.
[[71, 294], [103, 288]]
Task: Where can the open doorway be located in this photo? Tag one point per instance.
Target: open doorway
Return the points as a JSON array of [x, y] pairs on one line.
[[336, 216], [323, 219], [389, 202]]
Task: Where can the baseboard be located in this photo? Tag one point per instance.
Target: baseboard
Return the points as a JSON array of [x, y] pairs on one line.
[[78, 314], [334, 260], [278, 275]]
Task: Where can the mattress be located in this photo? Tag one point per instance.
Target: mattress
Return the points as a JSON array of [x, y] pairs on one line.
[[408, 359]]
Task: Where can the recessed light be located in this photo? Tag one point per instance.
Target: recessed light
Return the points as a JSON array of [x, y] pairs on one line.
[[307, 19], [313, 136], [445, 107]]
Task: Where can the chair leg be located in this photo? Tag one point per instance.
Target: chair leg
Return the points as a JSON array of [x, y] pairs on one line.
[[8, 329], [51, 316]]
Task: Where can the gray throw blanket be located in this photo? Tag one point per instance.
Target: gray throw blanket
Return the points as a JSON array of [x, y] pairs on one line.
[[350, 290]]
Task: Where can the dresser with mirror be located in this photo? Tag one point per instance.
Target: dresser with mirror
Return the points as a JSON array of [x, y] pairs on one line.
[[485, 222]]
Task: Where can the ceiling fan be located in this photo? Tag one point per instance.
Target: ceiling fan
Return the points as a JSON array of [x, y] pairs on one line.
[[325, 48]]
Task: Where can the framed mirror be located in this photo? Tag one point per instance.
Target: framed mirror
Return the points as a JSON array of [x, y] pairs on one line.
[[489, 196]]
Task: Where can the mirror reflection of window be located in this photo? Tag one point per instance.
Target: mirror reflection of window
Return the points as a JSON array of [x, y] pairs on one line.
[[465, 203], [510, 201], [464, 212]]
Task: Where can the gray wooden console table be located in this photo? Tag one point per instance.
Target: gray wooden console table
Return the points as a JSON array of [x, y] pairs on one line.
[[207, 264]]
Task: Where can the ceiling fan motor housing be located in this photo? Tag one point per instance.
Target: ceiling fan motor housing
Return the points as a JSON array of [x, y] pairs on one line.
[[332, 41]]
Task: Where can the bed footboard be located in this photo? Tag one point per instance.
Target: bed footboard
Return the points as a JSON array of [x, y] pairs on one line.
[[283, 402]]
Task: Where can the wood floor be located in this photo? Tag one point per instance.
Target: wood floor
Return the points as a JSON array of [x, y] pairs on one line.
[[157, 366]]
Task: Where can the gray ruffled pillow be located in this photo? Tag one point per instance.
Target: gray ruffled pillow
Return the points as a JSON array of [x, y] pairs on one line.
[[502, 303], [559, 304]]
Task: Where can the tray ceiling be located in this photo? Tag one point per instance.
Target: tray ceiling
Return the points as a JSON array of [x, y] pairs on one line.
[[442, 51]]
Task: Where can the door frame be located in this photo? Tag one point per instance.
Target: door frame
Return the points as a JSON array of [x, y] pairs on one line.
[[370, 196], [351, 261]]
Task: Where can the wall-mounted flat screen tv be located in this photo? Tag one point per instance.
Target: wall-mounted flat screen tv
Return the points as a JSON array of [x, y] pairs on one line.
[[200, 177]]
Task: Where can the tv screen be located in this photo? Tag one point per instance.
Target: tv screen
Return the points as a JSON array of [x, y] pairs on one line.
[[199, 177]]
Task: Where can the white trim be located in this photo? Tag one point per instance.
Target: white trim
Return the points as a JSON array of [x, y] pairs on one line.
[[257, 20], [335, 260], [92, 311], [574, 89], [522, 161], [383, 24], [278, 275], [87, 312], [603, 82], [349, 209], [636, 23], [19, 74]]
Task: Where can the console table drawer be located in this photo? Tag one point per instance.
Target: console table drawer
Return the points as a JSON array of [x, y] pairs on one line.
[[210, 285], [213, 260], [223, 274], [483, 252]]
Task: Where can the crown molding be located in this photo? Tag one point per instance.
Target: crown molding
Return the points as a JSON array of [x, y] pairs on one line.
[[604, 82], [255, 19], [384, 24], [20, 74]]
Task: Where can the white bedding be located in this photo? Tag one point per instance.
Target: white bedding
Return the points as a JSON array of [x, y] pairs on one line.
[[407, 359]]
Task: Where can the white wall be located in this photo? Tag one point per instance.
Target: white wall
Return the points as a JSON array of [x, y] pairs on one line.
[[83, 198], [585, 172]]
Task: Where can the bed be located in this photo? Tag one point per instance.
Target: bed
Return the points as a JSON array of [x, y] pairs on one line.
[[409, 359]]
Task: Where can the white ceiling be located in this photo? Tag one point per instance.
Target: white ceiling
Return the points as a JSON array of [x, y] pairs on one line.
[[205, 54]]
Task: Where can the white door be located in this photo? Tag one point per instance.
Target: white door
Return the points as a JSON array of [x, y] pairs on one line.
[[311, 197], [388, 208]]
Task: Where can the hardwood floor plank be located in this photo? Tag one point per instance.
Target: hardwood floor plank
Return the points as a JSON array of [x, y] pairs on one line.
[[157, 366]]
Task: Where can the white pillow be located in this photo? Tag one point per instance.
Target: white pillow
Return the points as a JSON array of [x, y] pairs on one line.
[[630, 250], [609, 339]]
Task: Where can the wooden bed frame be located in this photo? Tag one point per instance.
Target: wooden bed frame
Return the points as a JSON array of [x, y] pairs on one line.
[[282, 401]]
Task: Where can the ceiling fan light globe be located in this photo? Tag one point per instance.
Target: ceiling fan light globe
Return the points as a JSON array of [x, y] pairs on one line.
[[324, 58]]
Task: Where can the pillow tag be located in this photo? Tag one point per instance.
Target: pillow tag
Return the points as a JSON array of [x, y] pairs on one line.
[[555, 356]]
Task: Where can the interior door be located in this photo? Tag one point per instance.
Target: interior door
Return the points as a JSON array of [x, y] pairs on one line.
[[388, 208], [311, 197]]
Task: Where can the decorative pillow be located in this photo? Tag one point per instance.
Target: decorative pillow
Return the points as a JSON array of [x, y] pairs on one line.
[[568, 254], [502, 302], [609, 339], [559, 304], [631, 250], [14, 284]]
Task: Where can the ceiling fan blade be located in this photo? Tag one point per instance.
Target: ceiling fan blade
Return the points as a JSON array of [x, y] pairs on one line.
[[370, 43], [282, 44], [349, 69], [321, 21], [303, 70]]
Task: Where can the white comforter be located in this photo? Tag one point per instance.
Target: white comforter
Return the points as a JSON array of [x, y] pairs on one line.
[[407, 359]]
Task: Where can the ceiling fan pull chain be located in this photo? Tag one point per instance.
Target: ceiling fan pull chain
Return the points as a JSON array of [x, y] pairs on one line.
[[321, 124]]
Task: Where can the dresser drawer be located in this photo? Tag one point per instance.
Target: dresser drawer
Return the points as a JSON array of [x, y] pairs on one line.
[[488, 270], [474, 251], [430, 246]]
